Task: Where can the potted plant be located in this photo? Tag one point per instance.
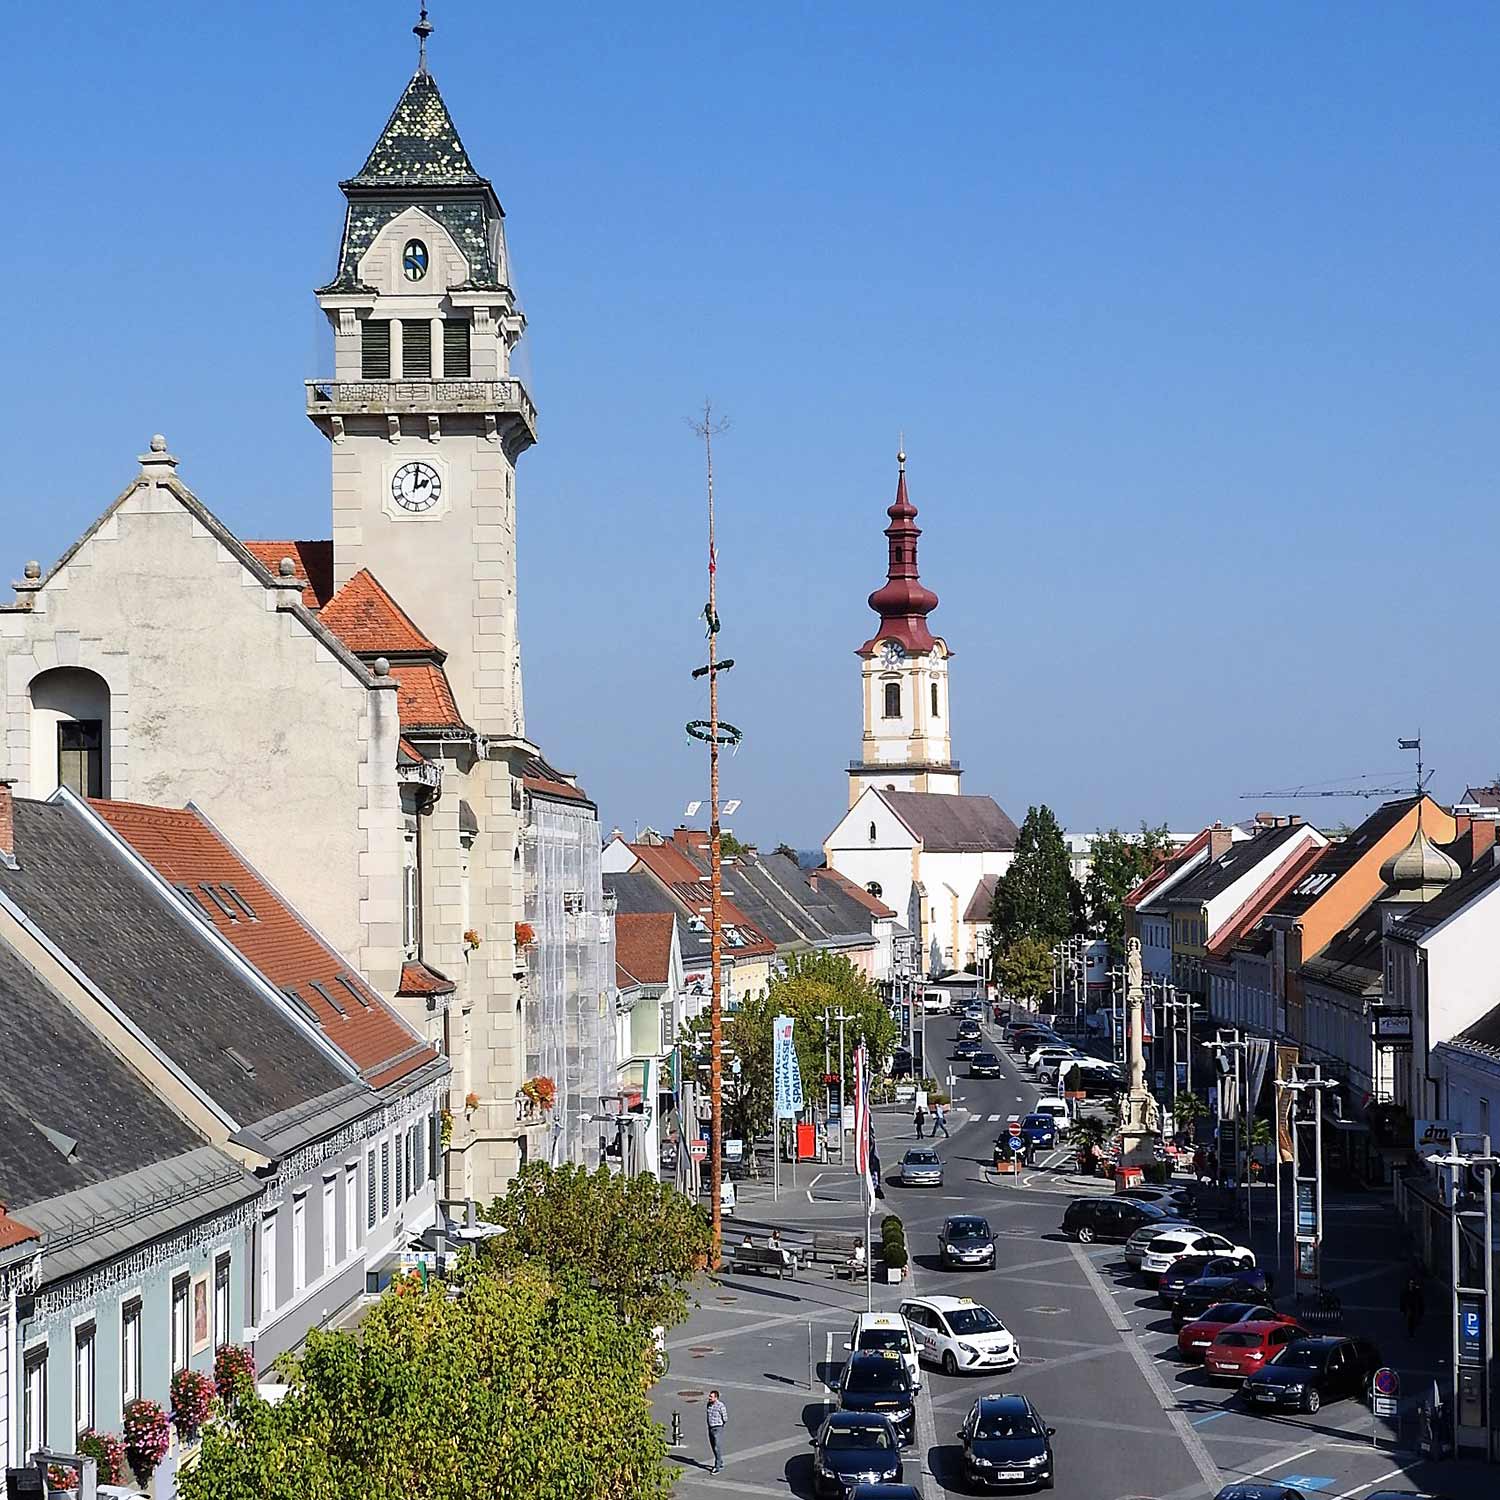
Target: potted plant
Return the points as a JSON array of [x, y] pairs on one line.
[[61, 1477], [471, 1102], [539, 1092], [192, 1401], [108, 1452], [471, 940], [234, 1372], [893, 1248], [148, 1435], [525, 934]]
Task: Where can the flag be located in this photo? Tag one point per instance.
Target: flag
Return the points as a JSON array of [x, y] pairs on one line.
[[862, 1126], [1408, 744], [786, 1073]]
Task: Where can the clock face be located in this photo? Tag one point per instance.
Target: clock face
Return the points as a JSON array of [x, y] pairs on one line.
[[893, 653], [416, 487], [414, 260]]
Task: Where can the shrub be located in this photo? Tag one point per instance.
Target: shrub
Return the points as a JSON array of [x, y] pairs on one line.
[[148, 1434], [192, 1401], [108, 1452], [889, 1222]]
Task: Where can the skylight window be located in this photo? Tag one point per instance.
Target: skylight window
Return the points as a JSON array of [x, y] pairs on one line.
[[218, 901], [322, 989], [347, 980], [240, 902], [303, 1008], [240, 1061]]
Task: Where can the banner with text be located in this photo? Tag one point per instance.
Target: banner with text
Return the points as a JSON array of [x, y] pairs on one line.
[[787, 1074]]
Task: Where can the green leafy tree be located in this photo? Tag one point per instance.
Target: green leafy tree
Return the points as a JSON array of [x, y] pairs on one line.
[[636, 1240], [1024, 969], [729, 845], [1037, 896], [1118, 865], [521, 1385], [1087, 1135], [1188, 1109]]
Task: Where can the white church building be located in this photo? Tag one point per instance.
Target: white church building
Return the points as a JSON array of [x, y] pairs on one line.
[[910, 836]]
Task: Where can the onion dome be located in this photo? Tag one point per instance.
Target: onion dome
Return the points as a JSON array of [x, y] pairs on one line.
[[1420, 870], [902, 603]]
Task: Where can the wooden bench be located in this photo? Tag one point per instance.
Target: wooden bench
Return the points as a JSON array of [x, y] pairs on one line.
[[763, 1258]]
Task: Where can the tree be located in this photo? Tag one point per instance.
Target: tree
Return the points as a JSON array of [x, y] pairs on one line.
[[1087, 1135], [1118, 865], [520, 1385], [1025, 969], [1035, 898], [637, 1241], [731, 846]]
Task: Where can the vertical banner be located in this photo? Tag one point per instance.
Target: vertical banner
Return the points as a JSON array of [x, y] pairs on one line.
[[862, 1126], [1286, 1070], [1257, 1060], [784, 1069]]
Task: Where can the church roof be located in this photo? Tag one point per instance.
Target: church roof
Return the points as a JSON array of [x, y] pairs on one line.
[[368, 621], [982, 902], [424, 699], [949, 823], [419, 146], [312, 560]]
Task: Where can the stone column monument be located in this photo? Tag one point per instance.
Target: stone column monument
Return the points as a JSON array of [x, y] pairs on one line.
[[1140, 1117]]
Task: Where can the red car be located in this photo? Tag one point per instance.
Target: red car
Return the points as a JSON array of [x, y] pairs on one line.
[[1194, 1340], [1246, 1348]]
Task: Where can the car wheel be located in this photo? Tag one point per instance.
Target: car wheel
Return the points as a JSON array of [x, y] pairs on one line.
[[1086, 1235], [950, 1364], [1311, 1402]]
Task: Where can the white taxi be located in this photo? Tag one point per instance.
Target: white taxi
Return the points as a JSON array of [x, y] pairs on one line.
[[886, 1333], [1163, 1252], [959, 1333]]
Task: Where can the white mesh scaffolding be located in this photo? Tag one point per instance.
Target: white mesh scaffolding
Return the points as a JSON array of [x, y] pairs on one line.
[[570, 1002]]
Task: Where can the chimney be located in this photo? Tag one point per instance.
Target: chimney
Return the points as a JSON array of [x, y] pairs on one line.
[[1219, 840], [1482, 832], [1293, 819], [7, 825]]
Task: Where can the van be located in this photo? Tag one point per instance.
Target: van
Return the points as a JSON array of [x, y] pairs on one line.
[[1058, 1108], [885, 1333]]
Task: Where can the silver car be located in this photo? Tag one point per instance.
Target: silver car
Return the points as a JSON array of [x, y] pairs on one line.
[[1138, 1243], [921, 1168]]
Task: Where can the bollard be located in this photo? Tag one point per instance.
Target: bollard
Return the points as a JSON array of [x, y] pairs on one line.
[[677, 1429]]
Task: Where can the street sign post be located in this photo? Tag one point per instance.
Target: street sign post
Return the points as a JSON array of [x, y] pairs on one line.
[[1385, 1402]]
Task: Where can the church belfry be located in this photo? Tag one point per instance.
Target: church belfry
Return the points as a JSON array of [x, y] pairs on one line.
[[424, 417], [904, 674]]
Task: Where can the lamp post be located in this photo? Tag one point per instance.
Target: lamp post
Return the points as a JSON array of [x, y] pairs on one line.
[[1307, 1190]]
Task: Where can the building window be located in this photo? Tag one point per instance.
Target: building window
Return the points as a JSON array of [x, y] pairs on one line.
[[934, 701], [299, 1243], [416, 349], [374, 350], [893, 700], [80, 756], [351, 1206], [84, 1367], [130, 1351], [418, 1165], [221, 1302], [34, 1401], [385, 1178], [411, 891], [872, 833], [330, 1223], [455, 349], [182, 1287], [400, 1170], [370, 1215], [267, 1267]]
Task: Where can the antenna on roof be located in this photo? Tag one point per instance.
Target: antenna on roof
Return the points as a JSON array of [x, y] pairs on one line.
[[422, 30]]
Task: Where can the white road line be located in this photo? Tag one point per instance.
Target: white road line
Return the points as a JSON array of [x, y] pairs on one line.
[[994, 1119], [1390, 1474], [1276, 1463], [827, 1372]]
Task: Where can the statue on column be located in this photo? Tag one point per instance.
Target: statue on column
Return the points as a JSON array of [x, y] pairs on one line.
[[1140, 1115]]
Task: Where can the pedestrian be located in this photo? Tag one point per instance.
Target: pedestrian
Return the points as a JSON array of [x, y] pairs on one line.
[[940, 1121], [920, 1117], [718, 1417], [1413, 1305], [1271, 1285]]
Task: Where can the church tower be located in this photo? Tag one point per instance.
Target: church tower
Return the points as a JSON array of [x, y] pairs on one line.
[[904, 675], [425, 419]]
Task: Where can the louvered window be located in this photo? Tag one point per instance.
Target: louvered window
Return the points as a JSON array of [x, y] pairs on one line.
[[456, 349], [416, 349], [374, 350]]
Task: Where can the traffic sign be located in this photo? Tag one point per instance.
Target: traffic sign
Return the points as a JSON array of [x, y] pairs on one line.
[[1014, 1126], [1017, 1145], [698, 1150], [1386, 1383]]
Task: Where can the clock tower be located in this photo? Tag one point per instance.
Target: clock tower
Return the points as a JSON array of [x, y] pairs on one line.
[[904, 675], [424, 417]]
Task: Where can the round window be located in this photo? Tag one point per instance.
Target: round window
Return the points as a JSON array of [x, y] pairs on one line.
[[414, 260]]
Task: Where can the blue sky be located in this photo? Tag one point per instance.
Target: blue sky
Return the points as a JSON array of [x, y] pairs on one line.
[[1188, 313]]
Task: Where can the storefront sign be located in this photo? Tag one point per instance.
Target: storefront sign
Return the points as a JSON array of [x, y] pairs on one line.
[[1434, 1137], [1307, 1208], [1390, 1028]]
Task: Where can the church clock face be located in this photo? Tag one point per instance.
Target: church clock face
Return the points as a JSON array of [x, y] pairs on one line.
[[892, 654], [416, 487]]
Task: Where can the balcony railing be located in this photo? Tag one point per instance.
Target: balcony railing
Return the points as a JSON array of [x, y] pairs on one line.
[[418, 397]]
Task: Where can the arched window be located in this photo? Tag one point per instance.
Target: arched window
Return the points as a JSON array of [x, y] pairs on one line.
[[872, 833], [893, 700], [69, 732], [934, 701]]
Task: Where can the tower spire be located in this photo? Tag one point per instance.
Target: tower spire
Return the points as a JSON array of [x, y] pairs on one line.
[[422, 30], [902, 603]]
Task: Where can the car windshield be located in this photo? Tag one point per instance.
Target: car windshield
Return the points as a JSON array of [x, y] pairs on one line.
[[1302, 1356], [922, 1158], [873, 1436], [1006, 1424], [985, 1057], [885, 1338], [966, 1228], [877, 1375], [1231, 1340], [1042, 1120], [973, 1320]]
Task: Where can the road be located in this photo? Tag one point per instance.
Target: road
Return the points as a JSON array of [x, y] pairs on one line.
[[1099, 1356]]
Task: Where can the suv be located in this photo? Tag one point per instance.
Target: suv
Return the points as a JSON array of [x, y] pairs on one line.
[[1111, 1218]]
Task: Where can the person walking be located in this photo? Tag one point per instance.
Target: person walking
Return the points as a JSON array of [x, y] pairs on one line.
[[718, 1418], [920, 1119], [1413, 1305], [940, 1121]]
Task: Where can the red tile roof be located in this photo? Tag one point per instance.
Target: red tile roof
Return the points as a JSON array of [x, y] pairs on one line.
[[189, 853], [673, 869], [643, 946], [1263, 898], [368, 621], [314, 562], [418, 979], [13, 1232], [408, 751], [424, 699]]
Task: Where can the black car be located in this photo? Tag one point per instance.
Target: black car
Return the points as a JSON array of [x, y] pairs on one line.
[[1259, 1489], [966, 1242], [1201, 1266], [1109, 1218], [1246, 1284], [969, 1027], [1006, 1446], [984, 1065], [902, 1065], [878, 1381], [854, 1447], [1312, 1371], [885, 1492], [965, 1049]]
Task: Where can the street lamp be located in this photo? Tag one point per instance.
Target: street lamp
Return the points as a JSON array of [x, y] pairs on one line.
[[1307, 1192]]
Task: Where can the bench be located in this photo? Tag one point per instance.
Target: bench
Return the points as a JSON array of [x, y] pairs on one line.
[[763, 1258], [834, 1244]]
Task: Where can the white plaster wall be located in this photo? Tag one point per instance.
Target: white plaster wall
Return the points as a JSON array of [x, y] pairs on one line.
[[1256, 873], [1471, 1090]]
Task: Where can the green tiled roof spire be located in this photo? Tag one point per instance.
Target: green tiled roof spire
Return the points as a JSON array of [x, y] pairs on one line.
[[419, 146]]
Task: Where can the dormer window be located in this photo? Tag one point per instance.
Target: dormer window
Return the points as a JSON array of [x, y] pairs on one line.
[[80, 756]]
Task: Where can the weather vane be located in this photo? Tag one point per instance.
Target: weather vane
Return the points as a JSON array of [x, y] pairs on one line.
[[422, 30]]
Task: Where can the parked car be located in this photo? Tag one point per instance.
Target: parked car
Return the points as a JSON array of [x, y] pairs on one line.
[[965, 1242], [1045, 1059], [984, 1065], [1040, 1130], [852, 1446], [1111, 1219], [878, 1381], [884, 1333], [921, 1167], [1242, 1349], [1190, 1268], [1006, 1444], [1151, 1229], [1261, 1489], [1312, 1371], [1172, 1244], [1246, 1284], [1196, 1337], [960, 1334]]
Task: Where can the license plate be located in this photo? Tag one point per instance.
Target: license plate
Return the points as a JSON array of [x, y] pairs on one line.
[[1010, 1474], [1265, 1396]]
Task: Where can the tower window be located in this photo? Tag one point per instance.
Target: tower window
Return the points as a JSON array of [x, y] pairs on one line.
[[456, 349], [414, 260], [374, 350], [416, 349], [80, 756], [934, 701], [872, 833], [893, 700]]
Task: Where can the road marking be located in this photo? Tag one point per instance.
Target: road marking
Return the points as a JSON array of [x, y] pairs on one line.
[[1307, 1482], [1389, 1474], [1213, 1416], [1276, 1463], [994, 1119], [1191, 1442]]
